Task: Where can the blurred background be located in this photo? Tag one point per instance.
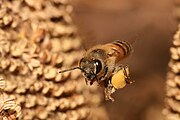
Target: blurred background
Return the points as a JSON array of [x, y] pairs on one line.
[[151, 25]]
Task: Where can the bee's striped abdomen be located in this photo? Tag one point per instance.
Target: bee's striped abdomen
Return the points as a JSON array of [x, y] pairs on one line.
[[125, 46]]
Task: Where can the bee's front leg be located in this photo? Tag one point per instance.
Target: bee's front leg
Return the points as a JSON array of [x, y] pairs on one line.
[[86, 81], [109, 89]]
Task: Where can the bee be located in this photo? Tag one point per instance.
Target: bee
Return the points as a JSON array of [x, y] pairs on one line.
[[101, 64]]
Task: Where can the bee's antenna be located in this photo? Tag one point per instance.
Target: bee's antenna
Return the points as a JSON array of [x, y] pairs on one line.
[[70, 69]]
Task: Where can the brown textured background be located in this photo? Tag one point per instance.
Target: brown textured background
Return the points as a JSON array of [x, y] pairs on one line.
[[151, 24], [34, 45]]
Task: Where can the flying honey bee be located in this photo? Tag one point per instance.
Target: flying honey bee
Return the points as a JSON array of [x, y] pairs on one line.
[[101, 64]]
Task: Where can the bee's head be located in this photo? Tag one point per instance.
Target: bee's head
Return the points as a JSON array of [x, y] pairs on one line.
[[90, 68]]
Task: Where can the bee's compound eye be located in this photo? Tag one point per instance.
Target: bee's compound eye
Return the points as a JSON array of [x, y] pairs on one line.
[[98, 66]]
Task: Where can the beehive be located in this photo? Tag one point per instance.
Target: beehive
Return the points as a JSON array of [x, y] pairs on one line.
[[37, 39], [172, 111], [9, 108]]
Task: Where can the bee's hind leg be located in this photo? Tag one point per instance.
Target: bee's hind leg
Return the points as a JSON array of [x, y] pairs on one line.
[[125, 69]]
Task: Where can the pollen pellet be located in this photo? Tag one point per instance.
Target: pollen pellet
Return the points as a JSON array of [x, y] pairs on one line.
[[118, 79]]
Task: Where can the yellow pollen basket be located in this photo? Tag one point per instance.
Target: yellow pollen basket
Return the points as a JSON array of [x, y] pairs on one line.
[[118, 79]]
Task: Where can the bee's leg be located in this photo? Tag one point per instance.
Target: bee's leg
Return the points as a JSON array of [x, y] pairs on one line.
[[109, 89], [86, 81], [117, 68], [127, 78], [91, 82], [123, 67]]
